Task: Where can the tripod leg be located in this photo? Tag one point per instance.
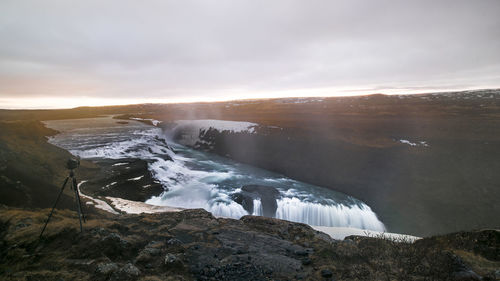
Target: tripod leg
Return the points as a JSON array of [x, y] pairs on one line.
[[57, 200], [75, 185], [78, 207]]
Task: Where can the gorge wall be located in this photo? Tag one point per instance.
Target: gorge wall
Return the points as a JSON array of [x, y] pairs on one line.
[[414, 187]]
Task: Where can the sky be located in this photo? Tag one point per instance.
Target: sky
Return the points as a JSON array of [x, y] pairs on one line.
[[59, 54]]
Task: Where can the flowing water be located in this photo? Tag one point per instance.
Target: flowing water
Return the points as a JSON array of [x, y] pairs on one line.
[[196, 179]]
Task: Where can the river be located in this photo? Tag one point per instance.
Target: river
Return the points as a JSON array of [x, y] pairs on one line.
[[196, 179]]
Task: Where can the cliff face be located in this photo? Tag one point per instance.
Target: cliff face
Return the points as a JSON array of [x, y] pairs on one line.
[[193, 245], [425, 164]]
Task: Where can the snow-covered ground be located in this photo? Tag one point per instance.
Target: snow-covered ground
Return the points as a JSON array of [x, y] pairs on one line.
[[299, 100], [340, 233], [99, 204], [136, 207], [136, 179], [418, 143], [127, 206], [191, 132], [153, 121], [219, 125]]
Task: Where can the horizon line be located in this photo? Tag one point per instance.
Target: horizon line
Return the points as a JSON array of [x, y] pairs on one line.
[[405, 93]]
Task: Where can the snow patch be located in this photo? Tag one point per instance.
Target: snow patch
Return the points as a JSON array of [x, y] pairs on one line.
[[191, 132], [111, 184], [219, 125], [340, 233], [99, 204], [135, 207], [153, 121], [419, 143], [136, 179]]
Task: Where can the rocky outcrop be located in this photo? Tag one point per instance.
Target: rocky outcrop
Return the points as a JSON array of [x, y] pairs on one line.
[[266, 194], [194, 245], [124, 178]]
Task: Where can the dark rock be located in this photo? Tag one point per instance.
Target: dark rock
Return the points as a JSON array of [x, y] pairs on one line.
[[245, 200], [252, 248], [174, 242], [130, 180], [326, 273], [170, 258], [267, 195], [299, 276], [113, 245], [466, 275], [127, 272], [106, 268], [301, 252], [147, 254], [131, 270], [99, 231], [173, 261]]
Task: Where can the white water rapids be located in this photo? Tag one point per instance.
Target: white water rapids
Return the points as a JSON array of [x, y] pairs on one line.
[[196, 179]]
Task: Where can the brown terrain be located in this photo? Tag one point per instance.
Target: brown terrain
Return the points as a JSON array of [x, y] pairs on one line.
[[194, 245], [347, 144], [352, 144]]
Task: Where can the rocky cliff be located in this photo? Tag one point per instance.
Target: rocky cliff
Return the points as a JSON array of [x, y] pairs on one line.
[[194, 245]]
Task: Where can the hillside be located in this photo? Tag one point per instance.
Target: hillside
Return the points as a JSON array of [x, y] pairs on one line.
[[31, 170], [194, 245], [426, 164]]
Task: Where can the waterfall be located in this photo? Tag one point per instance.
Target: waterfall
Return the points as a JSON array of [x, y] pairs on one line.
[[257, 207], [363, 217], [194, 179]]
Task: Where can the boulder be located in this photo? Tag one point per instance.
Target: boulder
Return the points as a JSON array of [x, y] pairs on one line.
[[326, 273], [267, 195], [245, 199], [106, 268]]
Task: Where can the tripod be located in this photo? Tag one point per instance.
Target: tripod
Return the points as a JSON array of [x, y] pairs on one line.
[[77, 197]]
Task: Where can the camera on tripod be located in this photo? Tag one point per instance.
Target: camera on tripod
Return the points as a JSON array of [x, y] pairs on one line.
[[73, 163]]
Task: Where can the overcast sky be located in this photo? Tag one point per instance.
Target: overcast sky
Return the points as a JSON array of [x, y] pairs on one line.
[[67, 53]]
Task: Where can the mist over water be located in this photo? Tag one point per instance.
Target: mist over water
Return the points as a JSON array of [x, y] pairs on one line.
[[196, 179]]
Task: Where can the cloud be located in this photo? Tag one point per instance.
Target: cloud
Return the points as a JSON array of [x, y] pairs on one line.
[[175, 49]]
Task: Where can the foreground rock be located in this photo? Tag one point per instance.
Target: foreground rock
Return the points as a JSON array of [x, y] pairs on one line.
[[194, 245]]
